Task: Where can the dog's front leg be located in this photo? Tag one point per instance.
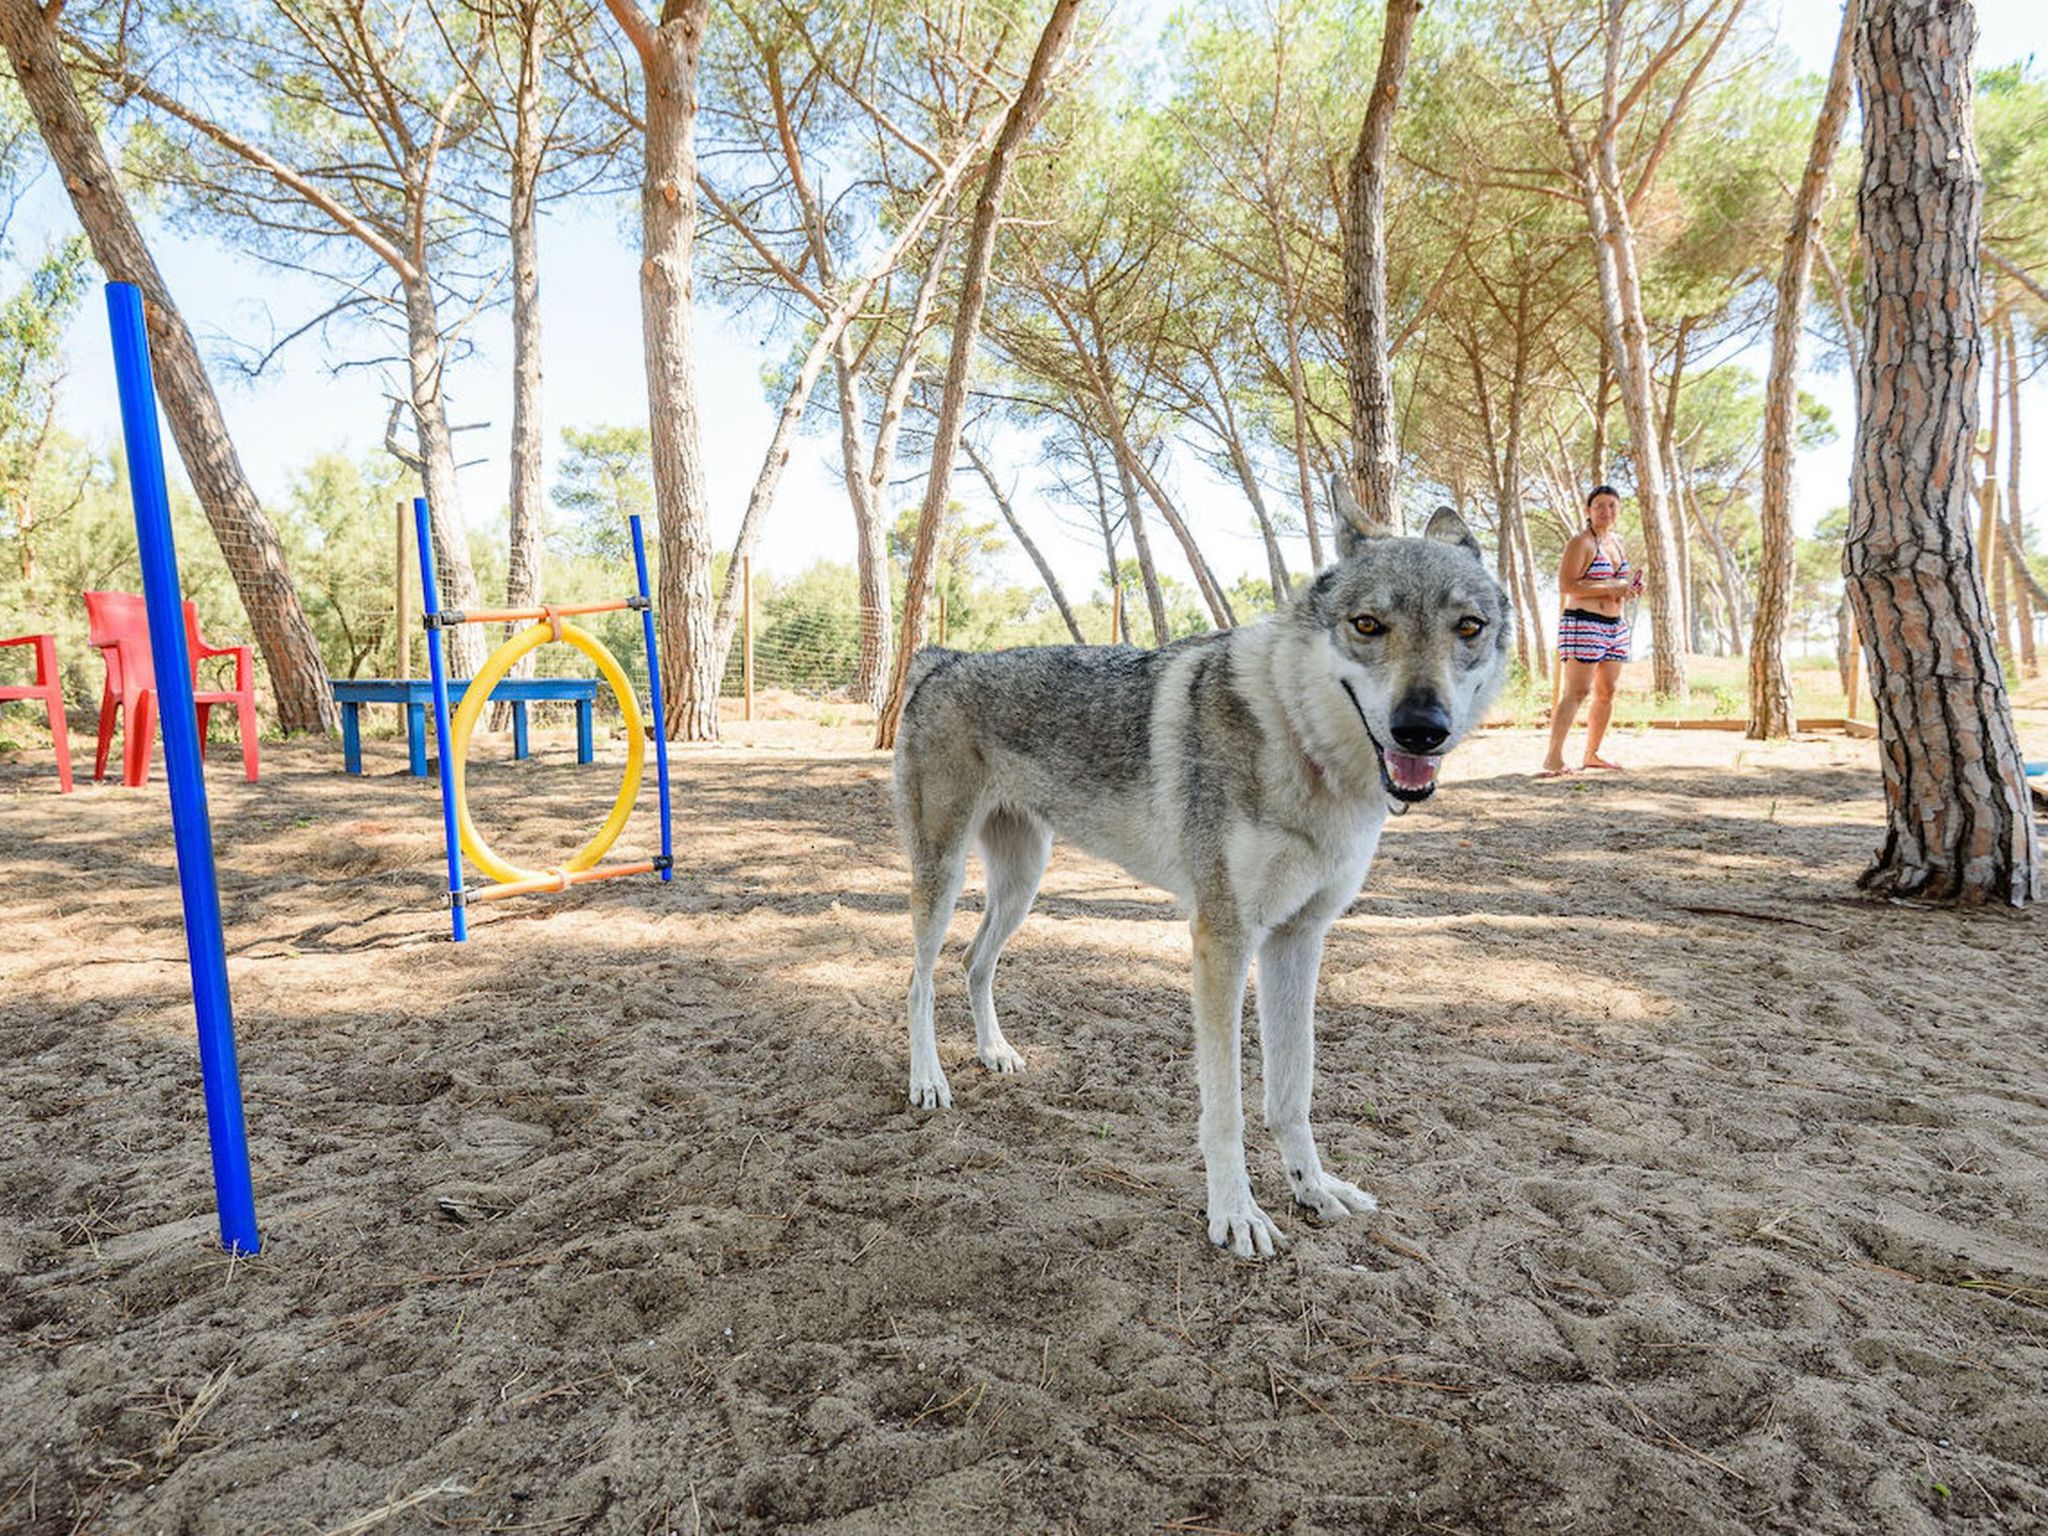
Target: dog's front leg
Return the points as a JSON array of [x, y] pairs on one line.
[[1222, 956], [1289, 962]]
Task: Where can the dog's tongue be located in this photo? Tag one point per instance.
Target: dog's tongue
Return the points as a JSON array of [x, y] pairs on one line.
[[1409, 771]]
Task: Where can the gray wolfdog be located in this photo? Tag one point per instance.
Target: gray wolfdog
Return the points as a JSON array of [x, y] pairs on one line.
[[1248, 772]]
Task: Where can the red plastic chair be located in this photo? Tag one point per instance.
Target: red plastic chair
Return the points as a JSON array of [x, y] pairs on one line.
[[119, 625], [48, 687]]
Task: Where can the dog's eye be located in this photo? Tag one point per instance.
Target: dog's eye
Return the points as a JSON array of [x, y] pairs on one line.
[[1469, 628], [1368, 626]]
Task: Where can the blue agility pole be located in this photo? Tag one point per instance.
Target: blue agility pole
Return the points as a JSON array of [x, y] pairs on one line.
[[432, 594], [654, 694], [191, 831]]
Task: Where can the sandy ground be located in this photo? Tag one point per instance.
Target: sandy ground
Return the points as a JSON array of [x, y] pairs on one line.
[[1715, 1197]]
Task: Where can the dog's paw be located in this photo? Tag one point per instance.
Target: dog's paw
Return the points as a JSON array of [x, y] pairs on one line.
[[1001, 1056], [1238, 1224], [928, 1089], [1330, 1198]]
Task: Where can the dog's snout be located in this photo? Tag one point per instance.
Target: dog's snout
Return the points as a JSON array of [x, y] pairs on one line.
[[1420, 724]]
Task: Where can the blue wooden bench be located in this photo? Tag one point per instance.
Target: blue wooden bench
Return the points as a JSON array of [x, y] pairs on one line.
[[417, 694]]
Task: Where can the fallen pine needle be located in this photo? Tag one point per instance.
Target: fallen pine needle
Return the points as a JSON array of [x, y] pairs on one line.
[[377, 1517], [1319, 1408], [1410, 1381], [189, 1416]]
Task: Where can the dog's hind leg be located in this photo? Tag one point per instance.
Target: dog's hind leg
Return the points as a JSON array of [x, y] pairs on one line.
[[1222, 956], [1014, 848], [937, 867], [1289, 961]]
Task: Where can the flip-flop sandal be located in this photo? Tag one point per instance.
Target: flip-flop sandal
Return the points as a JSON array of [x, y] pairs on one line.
[[1553, 773], [1603, 768]]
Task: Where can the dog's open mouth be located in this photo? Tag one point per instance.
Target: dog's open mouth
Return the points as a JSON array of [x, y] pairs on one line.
[[1407, 776]]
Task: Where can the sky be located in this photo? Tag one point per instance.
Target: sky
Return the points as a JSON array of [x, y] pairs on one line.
[[592, 349]]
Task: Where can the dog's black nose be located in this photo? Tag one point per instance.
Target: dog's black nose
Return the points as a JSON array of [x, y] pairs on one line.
[[1420, 724]]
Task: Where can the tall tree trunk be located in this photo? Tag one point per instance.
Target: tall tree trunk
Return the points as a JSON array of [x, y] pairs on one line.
[[2016, 531], [1269, 536], [1724, 565], [1120, 628], [453, 572], [522, 564], [1770, 682], [1603, 402], [1205, 579], [1225, 417], [1508, 499], [668, 50], [877, 622], [1844, 312], [1297, 381], [1024, 540], [248, 542], [870, 535], [1991, 569], [1667, 445], [1532, 616], [1959, 826], [1018, 125], [1622, 298], [1141, 543], [1368, 373]]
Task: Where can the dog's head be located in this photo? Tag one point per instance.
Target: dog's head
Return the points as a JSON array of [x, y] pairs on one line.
[[1417, 634]]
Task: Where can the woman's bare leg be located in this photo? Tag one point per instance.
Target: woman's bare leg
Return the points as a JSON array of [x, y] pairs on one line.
[[1578, 682], [1605, 676]]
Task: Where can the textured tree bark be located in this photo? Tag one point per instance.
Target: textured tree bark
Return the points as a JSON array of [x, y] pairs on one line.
[[1729, 580], [1959, 826], [2016, 530], [1119, 612], [248, 542], [1513, 535], [1531, 616], [1297, 381], [871, 548], [1141, 543], [1024, 540], [453, 572], [1991, 563], [1368, 375], [1622, 297], [1018, 124], [522, 564], [1603, 402], [668, 50], [1770, 682], [1674, 479], [1205, 578], [876, 618], [1248, 482]]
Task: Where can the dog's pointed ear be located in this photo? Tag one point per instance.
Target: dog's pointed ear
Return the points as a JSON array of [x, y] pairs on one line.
[[1353, 527], [1446, 527]]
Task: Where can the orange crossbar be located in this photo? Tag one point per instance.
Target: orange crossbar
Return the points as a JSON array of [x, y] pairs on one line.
[[513, 615], [556, 882]]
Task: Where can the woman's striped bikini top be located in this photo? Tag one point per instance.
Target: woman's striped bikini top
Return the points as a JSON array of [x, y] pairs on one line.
[[1602, 568]]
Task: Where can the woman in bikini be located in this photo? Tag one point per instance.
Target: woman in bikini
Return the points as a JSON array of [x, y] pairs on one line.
[[1594, 580]]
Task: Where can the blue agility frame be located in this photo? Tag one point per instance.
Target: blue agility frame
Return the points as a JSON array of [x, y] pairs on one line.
[[430, 591], [191, 828]]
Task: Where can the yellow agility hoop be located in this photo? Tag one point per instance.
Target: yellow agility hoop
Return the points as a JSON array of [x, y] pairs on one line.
[[503, 659]]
